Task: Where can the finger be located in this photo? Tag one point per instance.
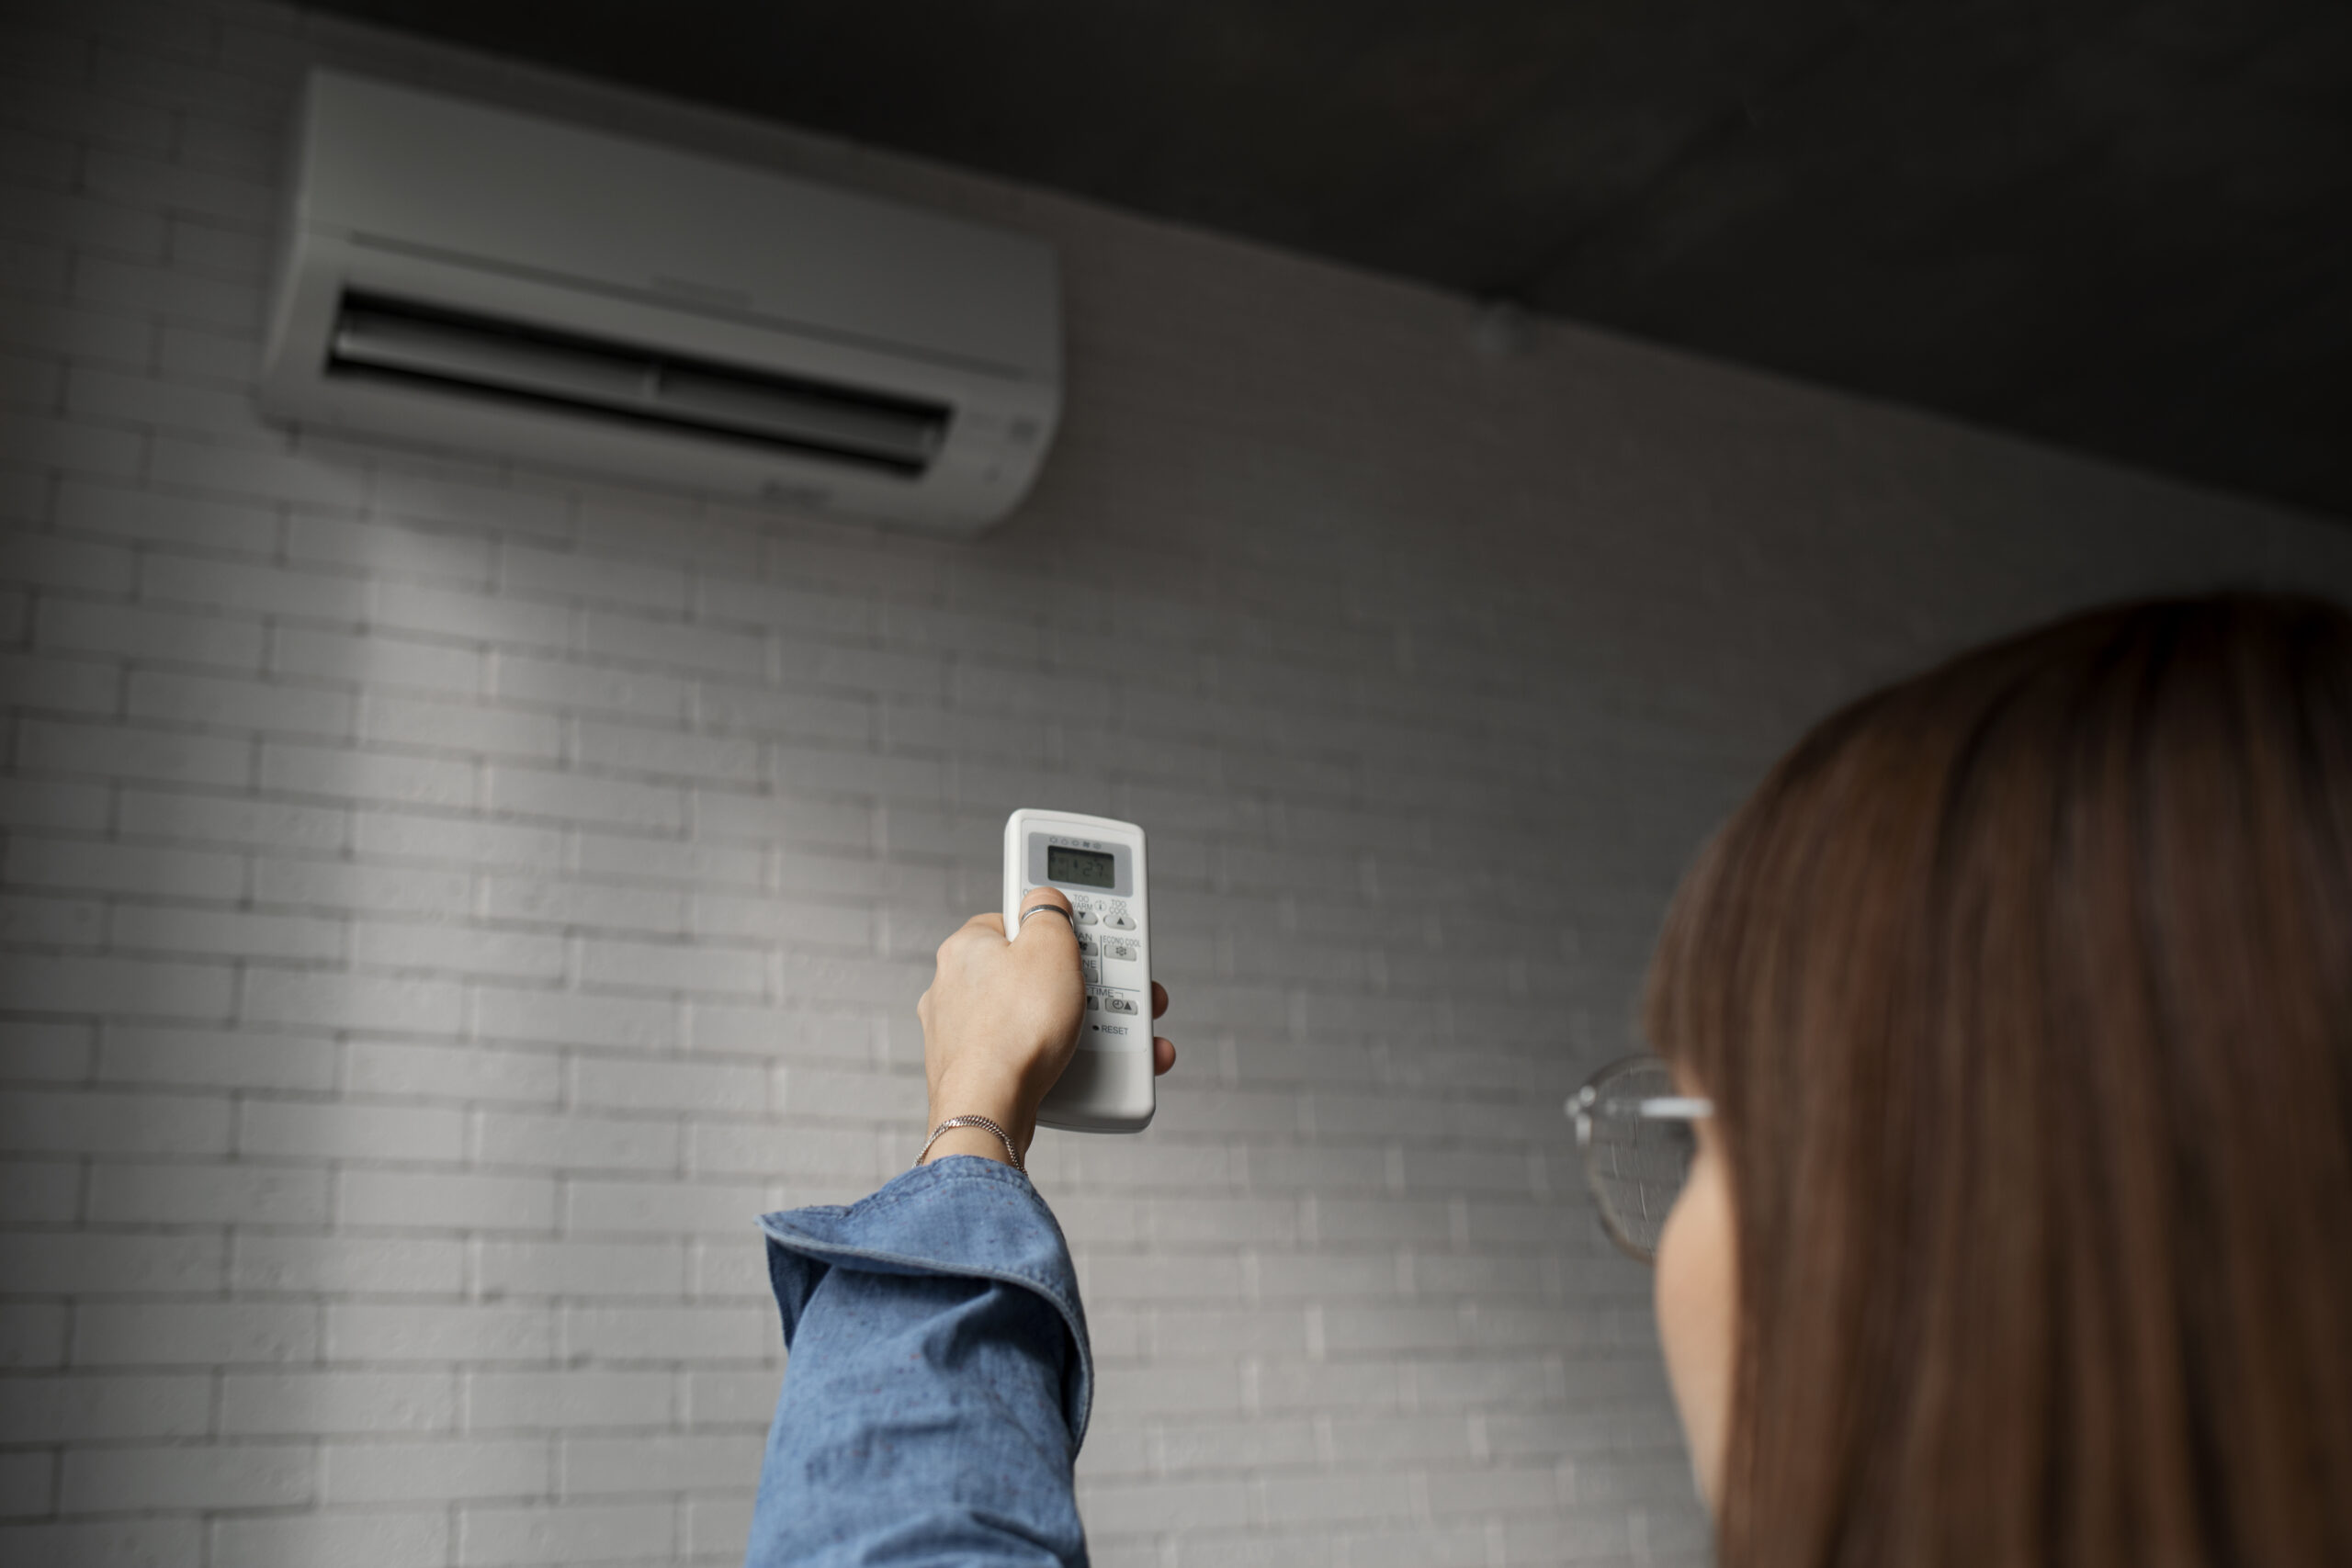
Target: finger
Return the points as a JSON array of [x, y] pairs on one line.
[[1158, 1002], [1047, 898], [1163, 1054]]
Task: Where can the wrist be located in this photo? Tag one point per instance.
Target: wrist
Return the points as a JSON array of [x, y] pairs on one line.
[[976, 1141], [999, 1100]]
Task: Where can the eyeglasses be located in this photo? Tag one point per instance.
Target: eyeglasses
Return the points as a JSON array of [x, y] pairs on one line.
[[1634, 1133]]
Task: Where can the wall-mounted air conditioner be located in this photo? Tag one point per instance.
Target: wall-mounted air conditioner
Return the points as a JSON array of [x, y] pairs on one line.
[[470, 277]]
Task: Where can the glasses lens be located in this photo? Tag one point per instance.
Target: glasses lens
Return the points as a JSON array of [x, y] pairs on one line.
[[1634, 1163]]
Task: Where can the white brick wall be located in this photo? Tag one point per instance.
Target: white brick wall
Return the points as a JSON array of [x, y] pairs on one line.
[[445, 901]]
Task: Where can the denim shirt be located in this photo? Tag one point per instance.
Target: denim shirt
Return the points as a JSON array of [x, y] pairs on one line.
[[939, 1380]]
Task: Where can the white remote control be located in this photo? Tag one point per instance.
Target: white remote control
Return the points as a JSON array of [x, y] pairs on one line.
[[1098, 864]]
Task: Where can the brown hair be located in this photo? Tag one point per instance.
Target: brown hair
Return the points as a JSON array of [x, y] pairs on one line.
[[2023, 990]]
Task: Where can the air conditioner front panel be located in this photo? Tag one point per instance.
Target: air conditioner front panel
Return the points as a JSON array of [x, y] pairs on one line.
[[988, 455], [465, 179], [869, 415]]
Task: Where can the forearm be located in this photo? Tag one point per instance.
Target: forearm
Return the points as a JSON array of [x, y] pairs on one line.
[[939, 1380]]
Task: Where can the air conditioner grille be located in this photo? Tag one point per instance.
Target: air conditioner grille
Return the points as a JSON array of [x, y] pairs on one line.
[[376, 338]]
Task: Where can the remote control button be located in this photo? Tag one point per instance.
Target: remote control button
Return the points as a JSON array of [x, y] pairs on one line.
[[1121, 923], [1086, 916], [1119, 1004], [1093, 968], [1086, 944], [1123, 951], [1093, 1004]]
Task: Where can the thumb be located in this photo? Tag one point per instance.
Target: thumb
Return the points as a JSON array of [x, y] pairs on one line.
[[1059, 927]]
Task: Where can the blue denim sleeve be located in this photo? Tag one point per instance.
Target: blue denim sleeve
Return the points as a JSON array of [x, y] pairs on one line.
[[939, 1380]]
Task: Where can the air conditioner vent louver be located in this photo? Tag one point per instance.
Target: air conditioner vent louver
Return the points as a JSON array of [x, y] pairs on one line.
[[387, 338]]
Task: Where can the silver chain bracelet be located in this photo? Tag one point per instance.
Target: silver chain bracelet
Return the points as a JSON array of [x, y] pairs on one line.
[[1009, 1152]]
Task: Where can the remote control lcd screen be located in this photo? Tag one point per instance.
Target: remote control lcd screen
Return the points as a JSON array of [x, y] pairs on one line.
[[1083, 868]]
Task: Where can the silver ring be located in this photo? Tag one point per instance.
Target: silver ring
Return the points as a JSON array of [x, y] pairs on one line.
[[1044, 909]]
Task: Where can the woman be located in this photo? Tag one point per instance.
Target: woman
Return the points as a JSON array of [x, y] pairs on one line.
[[2015, 1011]]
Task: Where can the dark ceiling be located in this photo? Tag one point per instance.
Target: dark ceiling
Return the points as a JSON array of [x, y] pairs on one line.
[[2123, 226]]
